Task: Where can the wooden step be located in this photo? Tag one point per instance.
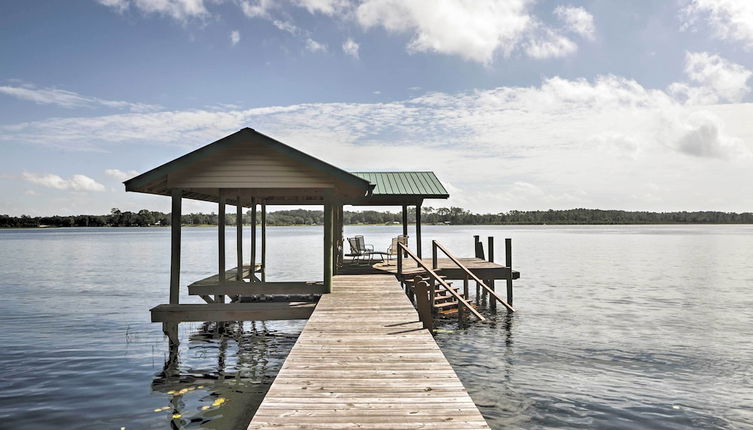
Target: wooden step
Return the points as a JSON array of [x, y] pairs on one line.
[[409, 280], [445, 305], [441, 291]]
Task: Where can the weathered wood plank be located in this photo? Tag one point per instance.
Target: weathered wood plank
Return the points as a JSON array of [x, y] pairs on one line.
[[256, 288], [364, 361], [232, 312]]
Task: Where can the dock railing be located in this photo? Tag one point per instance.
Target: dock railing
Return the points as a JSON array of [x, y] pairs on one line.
[[462, 303], [468, 274]]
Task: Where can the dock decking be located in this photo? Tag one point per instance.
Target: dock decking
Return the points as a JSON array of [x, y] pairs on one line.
[[364, 361]]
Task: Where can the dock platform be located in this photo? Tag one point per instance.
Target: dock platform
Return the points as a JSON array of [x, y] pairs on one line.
[[364, 361]]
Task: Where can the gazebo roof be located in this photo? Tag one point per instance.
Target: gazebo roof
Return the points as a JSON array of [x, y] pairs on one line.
[[248, 164], [398, 188]]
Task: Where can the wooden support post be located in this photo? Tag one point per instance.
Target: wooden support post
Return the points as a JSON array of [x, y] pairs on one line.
[[479, 247], [263, 241], [465, 291], [508, 263], [490, 282], [175, 221], [253, 239], [328, 243], [405, 226], [423, 302], [418, 230], [479, 253], [239, 238], [221, 243], [434, 260], [400, 266], [170, 329]]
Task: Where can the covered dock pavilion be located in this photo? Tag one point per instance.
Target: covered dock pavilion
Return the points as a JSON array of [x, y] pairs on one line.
[[364, 358], [248, 169]]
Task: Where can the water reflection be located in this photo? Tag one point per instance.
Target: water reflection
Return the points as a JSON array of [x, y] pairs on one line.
[[217, 377]]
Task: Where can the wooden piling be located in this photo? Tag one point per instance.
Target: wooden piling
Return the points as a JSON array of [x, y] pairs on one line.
[[418, 231], [263, 241], [239, 238], [175, 227], [328, 244], [423, 302], [508, 263], [490, 282], [221, 243], [253, 239], [405, 226]]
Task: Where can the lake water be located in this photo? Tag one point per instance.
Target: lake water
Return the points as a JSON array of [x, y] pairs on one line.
[[617, 327]]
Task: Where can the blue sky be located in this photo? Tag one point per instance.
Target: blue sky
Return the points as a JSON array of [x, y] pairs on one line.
[[515, 104]]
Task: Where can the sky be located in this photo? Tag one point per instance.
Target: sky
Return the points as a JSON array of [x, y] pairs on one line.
[[514, 104]]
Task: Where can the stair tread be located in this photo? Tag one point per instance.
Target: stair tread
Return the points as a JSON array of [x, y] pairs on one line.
[[446, 304]]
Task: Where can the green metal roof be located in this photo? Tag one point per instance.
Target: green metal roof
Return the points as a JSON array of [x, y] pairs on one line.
[[420, 184]]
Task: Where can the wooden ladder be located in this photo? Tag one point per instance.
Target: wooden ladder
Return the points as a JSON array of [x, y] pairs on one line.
[[444, 302]]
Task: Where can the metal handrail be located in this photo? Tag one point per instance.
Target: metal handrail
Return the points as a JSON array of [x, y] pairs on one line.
[[436, 245], [435, 277]]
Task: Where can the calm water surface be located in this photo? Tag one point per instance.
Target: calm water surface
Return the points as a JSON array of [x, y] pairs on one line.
[[617, 327]]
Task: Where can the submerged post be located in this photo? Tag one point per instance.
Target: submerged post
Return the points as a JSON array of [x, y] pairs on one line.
[[239, 238], [221, 243], [175, 221], [253, 240], [263, 241], [508, 263]]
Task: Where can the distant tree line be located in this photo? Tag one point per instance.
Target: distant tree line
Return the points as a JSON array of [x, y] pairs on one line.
[[429, 215]]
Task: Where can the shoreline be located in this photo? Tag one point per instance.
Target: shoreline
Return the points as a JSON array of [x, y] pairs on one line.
[[52, 227]]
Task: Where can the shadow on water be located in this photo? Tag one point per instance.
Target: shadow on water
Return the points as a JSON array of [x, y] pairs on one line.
[[217, 378]]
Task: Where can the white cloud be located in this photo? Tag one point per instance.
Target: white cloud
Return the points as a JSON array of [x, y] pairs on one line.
[[474, 30], [607, 142], [235, 37], [314, 46], [350, 47], [180, 10], [75, 183], [729, 19], [69, 99], [703, 137], [550, 44], [327, 7], [121, 175], [285, 26], [257, 8], [713, 78], [577, 20]]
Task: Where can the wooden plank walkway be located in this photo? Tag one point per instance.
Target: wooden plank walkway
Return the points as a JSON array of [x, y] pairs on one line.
[[364, 361]]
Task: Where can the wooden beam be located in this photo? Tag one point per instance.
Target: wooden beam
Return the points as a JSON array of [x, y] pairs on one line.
[[175, 227], [328, 244], [221, 241], [232, 312], [239, 237], [266, 288], [263, 241], [253, 239]]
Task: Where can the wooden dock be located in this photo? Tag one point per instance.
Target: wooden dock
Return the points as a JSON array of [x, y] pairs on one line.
[[364, 361]]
